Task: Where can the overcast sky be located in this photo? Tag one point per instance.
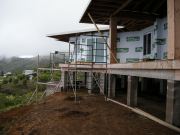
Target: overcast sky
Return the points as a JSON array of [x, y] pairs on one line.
[[24, 25]]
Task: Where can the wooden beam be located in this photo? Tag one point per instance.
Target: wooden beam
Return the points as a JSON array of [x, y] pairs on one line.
[[111, 53], [113, 38], [121, 7], [158, 5], [173, 29]]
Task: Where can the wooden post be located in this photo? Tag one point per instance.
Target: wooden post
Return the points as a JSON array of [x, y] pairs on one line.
[[113, 38], [173, 29]]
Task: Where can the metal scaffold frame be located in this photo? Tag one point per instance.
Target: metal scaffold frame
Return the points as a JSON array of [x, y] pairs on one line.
[[73, 60], [51, 69], [72, 78]]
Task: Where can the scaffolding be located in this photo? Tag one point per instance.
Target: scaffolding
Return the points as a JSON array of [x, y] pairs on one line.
[[93, 51], [55, 59], [89, 58]]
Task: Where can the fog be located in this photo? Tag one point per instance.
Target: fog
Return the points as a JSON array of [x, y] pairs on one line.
[[24, 25]]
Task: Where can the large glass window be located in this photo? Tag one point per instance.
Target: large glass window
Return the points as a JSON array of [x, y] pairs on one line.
[[100, 49]]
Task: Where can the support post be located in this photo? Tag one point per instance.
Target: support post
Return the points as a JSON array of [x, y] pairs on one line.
[[143, 84], [113, 39], [132, 91], [111, 85], [173, 102], [173, 29], [85, 79], [89, 82], [64, 76], [102, 82], [163, 87]]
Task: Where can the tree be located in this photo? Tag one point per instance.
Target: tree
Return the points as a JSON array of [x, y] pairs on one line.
[[21, 76], [5, 81], [10, 80], [2, 73], [15, 81], [24, 82]]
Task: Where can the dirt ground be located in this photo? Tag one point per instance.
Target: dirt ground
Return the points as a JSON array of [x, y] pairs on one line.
[[59, 115]]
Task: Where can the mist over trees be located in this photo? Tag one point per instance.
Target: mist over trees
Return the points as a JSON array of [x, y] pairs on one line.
[[16, 64]]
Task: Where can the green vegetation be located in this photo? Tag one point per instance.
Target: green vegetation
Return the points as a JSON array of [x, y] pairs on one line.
[[17, 65], [9, 101], [45, 76], [15, 91]]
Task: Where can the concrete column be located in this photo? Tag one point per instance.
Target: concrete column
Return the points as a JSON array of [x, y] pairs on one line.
[[173, 102], [64, 77], [111, 85], [89, 82], [132, 91], [113, 38], [163, 87], [144, 84], [102, 82], [123, 80], [85, 79], [173, 14]]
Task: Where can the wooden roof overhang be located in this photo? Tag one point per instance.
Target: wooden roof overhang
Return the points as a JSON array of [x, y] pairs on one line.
[[65, 36], [132, 14]]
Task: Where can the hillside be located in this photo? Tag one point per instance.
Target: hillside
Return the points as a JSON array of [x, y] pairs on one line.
[[16, 64]]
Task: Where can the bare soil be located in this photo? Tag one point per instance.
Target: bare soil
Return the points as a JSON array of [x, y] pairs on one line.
[[91, 115]]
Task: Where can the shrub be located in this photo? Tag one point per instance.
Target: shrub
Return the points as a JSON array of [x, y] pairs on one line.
[[10, 80], [21, 77], [24, 82], [5, 81], [27, 77], [15, 81], [44, 77], [56, 76]]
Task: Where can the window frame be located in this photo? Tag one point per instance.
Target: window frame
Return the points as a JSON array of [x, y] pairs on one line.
[[147, 43]]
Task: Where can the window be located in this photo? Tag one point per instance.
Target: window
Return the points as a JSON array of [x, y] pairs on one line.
[[147, 44], [165, 26]]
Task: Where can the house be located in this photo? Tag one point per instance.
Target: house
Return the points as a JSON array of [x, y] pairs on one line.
[[29, 73], [140, 67], [7, 74]]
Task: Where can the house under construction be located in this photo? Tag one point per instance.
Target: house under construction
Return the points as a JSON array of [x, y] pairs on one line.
[[138, 64]]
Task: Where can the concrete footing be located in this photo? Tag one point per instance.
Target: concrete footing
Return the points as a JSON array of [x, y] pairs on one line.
[[173, 102]]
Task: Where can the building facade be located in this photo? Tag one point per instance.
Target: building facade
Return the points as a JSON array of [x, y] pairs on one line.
[[146, 73]]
